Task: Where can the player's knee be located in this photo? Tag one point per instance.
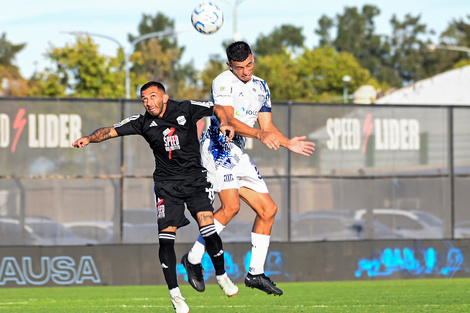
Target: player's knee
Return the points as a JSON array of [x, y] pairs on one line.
[[269, 213], [230, 209]]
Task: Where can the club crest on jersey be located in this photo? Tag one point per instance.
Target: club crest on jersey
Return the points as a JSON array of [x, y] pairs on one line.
[[160, 209], [181, 120]]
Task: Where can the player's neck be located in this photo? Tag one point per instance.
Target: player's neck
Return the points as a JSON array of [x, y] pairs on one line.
[[163, 110]]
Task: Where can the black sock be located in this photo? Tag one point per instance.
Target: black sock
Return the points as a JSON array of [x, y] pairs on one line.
[[167, 257], [214, 247]]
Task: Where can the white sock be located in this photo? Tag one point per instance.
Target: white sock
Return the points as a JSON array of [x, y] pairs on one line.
[[259, 252], [175, 292], [219, 277], [197, 251], [218, 226], [199, 248]]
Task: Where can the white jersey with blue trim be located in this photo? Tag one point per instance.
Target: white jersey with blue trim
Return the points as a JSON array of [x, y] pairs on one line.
[[247, 99]]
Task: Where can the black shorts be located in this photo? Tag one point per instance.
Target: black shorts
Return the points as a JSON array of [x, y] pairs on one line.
[[172, 195]]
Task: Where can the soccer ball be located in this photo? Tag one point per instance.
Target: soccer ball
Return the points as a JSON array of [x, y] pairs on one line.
[[207, 18]]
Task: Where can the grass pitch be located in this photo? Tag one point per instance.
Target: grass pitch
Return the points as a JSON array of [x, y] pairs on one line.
[[424, 295]]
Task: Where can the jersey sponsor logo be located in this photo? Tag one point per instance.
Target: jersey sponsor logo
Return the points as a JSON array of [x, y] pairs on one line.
[[171, 140], [246, 112], [153, 124], [240, 112], [127, 120], [160, 209], [181, 120], [228, 178]]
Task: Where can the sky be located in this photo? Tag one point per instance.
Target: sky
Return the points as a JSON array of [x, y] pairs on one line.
[[43, 23]]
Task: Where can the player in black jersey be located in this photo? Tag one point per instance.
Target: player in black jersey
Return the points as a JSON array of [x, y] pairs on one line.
[[170, 129]]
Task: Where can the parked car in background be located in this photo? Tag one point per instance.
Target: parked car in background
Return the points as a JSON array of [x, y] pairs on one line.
[[52, 233], [101, 231], [12, 233], [324, 225], [400, 223], [139, 226], [39, 231]]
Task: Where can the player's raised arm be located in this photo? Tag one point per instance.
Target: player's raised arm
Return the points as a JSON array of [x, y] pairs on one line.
[[98, 135]]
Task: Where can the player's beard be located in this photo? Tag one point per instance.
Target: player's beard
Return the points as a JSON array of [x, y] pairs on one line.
[[155, 110]]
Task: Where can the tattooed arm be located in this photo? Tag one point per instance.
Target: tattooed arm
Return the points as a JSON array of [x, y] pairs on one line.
[[98, 135]]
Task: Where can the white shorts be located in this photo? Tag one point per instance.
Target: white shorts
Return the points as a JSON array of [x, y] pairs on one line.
[[231, 168]]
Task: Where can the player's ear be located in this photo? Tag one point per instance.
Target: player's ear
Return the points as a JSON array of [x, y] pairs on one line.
[[229, 65], [165, 98]]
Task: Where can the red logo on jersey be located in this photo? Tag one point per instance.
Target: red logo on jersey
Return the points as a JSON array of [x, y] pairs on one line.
[[172, 141]]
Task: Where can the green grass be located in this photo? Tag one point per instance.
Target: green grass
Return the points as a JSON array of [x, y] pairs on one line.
[[424, 295]]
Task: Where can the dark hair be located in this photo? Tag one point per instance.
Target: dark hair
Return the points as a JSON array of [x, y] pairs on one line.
[[238, 51], [152, 84]]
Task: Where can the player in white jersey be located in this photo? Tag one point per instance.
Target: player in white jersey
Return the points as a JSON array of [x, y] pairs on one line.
[[246, 99]]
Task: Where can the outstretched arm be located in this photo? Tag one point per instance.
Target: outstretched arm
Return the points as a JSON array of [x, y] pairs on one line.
[[276, 138], [98, 135]]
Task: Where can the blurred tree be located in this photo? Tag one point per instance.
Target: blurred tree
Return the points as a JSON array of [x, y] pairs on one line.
[[8, 51], [12, 84], [321, 73], [324, 31], [406, 49], [160, 22], [160, 58], [214, 67], [355, 33], [47, 84], [280, 71], [394, 60], [456, 34], [285, 36], [80, 71]]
